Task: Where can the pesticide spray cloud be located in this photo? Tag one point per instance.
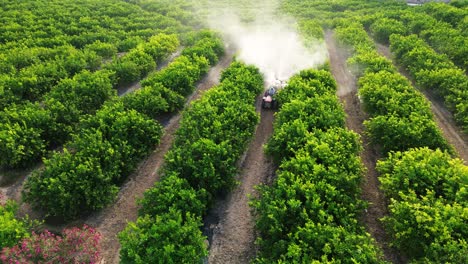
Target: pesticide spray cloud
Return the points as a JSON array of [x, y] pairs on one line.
[[269, 42]]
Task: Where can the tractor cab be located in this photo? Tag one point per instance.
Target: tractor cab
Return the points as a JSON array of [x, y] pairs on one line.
[[269, 101]]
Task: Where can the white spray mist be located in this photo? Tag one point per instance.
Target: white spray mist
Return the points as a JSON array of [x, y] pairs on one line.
[[269, 43]]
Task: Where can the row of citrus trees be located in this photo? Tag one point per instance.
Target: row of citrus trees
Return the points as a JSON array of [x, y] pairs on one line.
[[441, 35], [425, 186], [310, 213], [108, 145], [401, 118], [434, 71], [27, 130], [43, 42], [430, 70], [202, 163]]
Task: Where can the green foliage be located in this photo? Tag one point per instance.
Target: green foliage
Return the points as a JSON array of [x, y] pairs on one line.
[[131, 67], [310, 212], [205, 164], [352, 35], [169, 237], [322, 243], [26, 136], [384, 27], [390, 93], [434, 71], [210, 48], [369, 61], [287, 139], [19, 145], [215, 130], [213, 134], [245, 77], [311, 30], [180, 76], [395, 133], [86, 91], [401, 118], [86, 176], [38, 79], [429, 230], [12, 229], [422, 171], [447, 13], [174, 191], [160, 46], [154, 100], [25, 131], [318, 112], [428, 213], [306, 84], [105, 50], [164, 91]]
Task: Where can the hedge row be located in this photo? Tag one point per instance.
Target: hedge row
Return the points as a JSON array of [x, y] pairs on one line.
[[108, 146], [165, 91], [442, 36], [45, 41], [400, 116], [310, 213], [28, 74], [28, 130], [428, 205], [434, 71], [86, 175], [213, 134], [425, 186]]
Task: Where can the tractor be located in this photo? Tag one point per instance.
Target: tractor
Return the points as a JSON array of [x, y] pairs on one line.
[[269, 100]]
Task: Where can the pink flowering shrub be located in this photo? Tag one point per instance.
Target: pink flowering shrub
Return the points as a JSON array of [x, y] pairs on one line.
[[76, 245]]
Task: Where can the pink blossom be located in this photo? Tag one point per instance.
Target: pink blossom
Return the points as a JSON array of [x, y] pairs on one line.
[[76, 245]]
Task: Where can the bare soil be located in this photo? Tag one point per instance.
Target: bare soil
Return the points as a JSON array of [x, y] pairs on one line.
[[11, 182], [347, 91], [110, 221], [443, 117], [231, 225]]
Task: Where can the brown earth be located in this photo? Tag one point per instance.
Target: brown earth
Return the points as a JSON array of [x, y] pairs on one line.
[[233, 230], [110, 221], [347, 91], [443, 117]]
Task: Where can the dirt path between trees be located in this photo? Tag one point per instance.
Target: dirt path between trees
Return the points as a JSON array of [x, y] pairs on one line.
[[110, 221], [442, 115], [233, 235], [347, 91]]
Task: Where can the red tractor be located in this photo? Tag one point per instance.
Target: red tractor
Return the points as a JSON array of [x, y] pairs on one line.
[[269, 100]]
